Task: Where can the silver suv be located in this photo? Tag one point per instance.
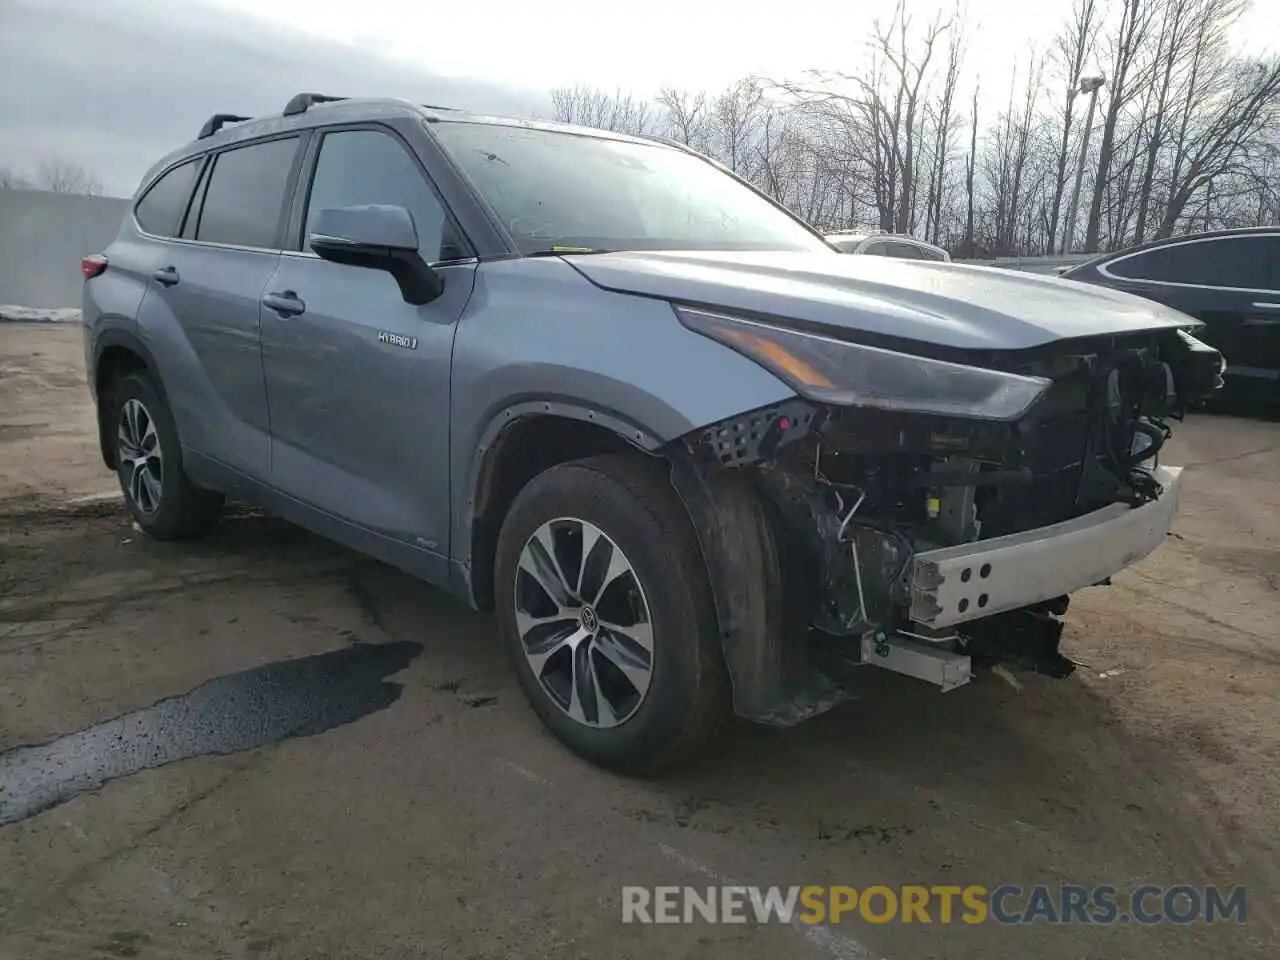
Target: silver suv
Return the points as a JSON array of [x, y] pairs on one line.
[[602, 385], [887, 245]]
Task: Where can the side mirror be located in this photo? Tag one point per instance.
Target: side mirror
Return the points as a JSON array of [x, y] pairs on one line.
[[381, 237]]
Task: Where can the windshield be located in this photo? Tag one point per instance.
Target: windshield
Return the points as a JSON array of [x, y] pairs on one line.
[[556, 190]]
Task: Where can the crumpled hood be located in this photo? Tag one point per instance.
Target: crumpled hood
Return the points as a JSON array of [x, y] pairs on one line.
[[947, 304]]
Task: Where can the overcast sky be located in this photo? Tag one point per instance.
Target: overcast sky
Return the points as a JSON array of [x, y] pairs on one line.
[[113, 84]]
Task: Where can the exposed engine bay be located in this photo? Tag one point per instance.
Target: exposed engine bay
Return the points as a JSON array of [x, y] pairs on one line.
[[856, 494]]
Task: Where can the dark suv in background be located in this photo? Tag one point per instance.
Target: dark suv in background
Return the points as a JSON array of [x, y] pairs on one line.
[[1230, 279]]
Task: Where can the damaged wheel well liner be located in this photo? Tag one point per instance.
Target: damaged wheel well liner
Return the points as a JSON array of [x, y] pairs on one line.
[[759, 576], [524, 447], [760, 583]]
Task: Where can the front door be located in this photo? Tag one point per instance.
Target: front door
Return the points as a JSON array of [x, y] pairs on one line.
[[357, 379]]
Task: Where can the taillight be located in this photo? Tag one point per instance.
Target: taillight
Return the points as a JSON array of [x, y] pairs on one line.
[[92, 266]]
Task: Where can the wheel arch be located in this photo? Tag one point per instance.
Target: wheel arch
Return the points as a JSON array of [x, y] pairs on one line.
[[519, 442], [117, 353]]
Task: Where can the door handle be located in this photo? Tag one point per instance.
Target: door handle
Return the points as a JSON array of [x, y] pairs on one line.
[[286, 303], [167, 276], [1265, 305]]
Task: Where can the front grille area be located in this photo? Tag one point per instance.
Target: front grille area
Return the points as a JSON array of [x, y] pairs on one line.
[[1054, 451], [1055, 457]]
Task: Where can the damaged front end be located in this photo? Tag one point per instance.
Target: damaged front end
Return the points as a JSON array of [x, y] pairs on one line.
[[927, 514]]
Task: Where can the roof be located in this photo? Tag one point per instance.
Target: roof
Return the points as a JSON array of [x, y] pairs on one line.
[[311, 110], [859, 237]]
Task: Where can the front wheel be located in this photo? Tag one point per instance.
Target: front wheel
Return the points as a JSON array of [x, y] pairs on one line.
[[605, 608]]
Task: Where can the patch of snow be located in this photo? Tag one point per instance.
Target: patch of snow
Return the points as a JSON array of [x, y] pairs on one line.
[[13, 314]]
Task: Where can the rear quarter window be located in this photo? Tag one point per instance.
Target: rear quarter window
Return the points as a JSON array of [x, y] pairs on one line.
[[161, 208]]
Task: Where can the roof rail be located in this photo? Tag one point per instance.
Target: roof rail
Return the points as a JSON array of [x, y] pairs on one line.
[[217, 122], [305, 101]]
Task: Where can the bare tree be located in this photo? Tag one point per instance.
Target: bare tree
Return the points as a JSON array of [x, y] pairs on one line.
[[943, 121], [11, 179], [1190, 132], [688, 117], [1007, 160], [908, 71], [1226, 129], [1126, 45], [62, 176], [880, 112], [620, 112], [969, 170], [1071, 50], [736, 115]]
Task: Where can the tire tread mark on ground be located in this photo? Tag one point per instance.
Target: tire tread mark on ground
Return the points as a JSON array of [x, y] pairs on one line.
[[1199, 613], [1214, 461], [14, 613], [61, 890]]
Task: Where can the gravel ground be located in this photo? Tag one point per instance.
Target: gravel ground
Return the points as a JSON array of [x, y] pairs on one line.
[[363, 780]]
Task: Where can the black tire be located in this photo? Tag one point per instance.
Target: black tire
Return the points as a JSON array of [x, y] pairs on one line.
[[183, 509], [632, 502]]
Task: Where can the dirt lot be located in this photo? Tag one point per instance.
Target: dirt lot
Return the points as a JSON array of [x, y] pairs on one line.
[[354, 774]]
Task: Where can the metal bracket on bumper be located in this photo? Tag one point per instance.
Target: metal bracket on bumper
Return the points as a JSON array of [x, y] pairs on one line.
[[765, 648], [972, 580]]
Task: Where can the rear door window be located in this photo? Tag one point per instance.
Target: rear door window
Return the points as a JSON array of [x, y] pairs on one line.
[[1239, 262], [1273, 279], [245, 197], [160, 210], [1225, 262]]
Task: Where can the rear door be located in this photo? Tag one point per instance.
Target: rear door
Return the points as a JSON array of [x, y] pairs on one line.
[[115, 298], [357, 378], [1261, 328], [201, 315]]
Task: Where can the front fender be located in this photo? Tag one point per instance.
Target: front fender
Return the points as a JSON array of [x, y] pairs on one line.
[[538, 338]]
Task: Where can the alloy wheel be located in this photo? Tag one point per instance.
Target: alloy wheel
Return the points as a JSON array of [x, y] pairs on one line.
[[140, 454], [584, 622]]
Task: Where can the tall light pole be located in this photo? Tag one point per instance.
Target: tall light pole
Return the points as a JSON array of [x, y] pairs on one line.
[[1091, 86]]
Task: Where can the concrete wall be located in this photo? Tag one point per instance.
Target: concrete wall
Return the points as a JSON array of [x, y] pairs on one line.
[[42, 238]]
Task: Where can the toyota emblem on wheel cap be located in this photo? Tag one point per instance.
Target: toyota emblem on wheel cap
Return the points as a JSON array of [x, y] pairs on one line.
[[590, 622]]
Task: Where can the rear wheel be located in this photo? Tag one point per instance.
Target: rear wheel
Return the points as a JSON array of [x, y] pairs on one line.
[[163, 501], [605, 607]]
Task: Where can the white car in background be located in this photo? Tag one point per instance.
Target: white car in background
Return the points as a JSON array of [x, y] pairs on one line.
[[887, 245]]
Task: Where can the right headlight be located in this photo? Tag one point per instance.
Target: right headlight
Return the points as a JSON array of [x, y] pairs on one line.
[[853, 374]]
